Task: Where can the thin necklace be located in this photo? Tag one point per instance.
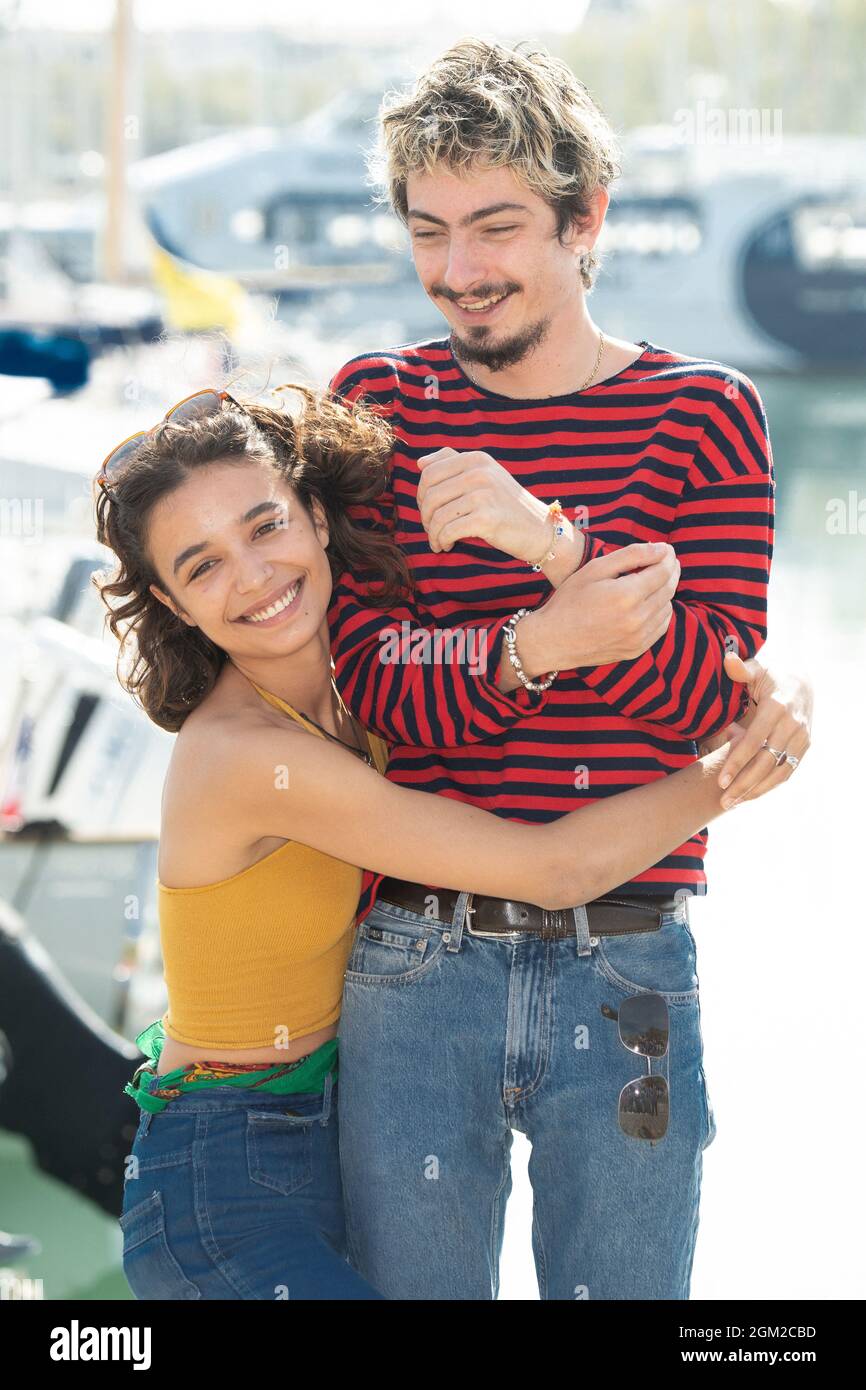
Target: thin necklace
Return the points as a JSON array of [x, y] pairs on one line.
[[352, 749], [601, 342], [360, 752]]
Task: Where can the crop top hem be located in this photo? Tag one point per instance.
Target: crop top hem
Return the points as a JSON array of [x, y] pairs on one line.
[[332, 1016]]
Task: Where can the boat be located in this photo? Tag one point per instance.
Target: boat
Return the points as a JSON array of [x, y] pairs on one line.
[[752, 254], [52, 323], [81, 772]]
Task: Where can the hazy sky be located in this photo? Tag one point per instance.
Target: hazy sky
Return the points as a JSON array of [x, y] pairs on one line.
[[333, 18]]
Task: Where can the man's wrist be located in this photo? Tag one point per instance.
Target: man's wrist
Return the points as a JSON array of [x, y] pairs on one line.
[[558, 551], [567, 556], [529, 645]]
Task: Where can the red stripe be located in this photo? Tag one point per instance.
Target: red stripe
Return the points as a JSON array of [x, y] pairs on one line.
[[664, 451]]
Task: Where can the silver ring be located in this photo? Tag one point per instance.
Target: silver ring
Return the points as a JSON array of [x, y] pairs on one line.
[[789, 758], [779, 754]]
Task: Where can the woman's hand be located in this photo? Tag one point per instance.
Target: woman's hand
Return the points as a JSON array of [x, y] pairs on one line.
[[779, 716]]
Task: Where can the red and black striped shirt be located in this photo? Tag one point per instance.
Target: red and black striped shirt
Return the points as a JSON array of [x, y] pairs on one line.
[[671, 448]]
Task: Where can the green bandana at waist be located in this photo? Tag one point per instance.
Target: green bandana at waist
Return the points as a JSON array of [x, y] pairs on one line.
[[282, 1078]]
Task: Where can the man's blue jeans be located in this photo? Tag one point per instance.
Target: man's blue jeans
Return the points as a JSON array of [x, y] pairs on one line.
[[450, 1041]]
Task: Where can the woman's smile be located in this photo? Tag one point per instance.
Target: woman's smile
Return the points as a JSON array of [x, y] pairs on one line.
[[275, 610]]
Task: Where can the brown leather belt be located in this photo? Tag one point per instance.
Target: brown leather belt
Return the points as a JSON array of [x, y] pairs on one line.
[[609, 915]]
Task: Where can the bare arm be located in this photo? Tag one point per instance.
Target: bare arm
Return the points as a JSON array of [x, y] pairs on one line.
[[338, 805]]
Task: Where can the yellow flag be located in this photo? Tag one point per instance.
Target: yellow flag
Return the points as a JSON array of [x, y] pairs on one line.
[[195, 298]]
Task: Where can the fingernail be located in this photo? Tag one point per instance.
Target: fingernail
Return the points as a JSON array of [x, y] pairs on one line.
[[726, 780]]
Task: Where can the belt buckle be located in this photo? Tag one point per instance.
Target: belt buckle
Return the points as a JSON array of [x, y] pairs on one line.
[[488, 935]]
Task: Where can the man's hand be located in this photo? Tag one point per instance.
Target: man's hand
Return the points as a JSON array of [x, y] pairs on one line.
[[613, 609], [470, 494], [780, 713]]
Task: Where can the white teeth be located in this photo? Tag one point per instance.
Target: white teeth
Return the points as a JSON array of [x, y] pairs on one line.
[[481, 303], [277, 607]]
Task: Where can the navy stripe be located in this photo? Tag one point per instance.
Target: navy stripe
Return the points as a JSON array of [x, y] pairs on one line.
[[673, 448]]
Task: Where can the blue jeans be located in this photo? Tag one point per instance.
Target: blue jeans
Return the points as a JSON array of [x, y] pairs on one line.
[[450, 1041], [228, 1196]]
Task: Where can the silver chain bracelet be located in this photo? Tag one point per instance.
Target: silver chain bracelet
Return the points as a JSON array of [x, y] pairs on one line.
[[510, 638]]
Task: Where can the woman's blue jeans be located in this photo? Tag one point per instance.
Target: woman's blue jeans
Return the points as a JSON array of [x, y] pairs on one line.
[[234, 1193], [449, 1041]]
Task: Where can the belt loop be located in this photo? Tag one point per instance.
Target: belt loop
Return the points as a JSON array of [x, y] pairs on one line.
[[683, 895], [458, 918], [149, 1085], [581, 923], [326, 1104]]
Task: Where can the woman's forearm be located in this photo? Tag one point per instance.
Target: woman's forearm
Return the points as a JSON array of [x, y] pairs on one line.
[[610, 842]]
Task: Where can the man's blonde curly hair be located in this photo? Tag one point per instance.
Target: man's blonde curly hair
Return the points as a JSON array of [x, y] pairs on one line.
[[482, 103]]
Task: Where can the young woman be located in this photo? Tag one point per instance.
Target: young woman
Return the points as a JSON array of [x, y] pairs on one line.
[[229, 524]]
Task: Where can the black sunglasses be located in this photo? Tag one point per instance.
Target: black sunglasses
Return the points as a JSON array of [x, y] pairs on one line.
[[644, 1027]]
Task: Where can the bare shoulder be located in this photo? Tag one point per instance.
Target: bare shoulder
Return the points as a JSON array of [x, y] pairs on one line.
[[210, 748], [217, 757], [244, 778]]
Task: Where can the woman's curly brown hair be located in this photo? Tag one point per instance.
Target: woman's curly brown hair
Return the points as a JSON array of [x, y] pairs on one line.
[[332, 451]]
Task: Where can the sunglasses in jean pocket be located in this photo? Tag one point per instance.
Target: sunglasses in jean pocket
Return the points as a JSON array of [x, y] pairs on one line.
[[644, 1025]]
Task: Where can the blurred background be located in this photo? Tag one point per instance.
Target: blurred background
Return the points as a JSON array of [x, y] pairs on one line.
[[183, 193]]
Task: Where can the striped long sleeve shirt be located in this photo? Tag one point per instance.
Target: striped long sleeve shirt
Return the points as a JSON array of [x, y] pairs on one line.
[[671, 448]]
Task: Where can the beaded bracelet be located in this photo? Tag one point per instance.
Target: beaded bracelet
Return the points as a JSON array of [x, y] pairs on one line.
[[509, 635], [555, 514]]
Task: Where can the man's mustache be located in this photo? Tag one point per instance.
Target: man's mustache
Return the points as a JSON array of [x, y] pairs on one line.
[[440, 292]]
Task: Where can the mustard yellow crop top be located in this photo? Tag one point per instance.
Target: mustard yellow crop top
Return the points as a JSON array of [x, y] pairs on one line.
[[258, 959]]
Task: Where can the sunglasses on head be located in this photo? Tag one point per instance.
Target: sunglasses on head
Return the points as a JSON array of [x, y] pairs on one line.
[[199, 403]]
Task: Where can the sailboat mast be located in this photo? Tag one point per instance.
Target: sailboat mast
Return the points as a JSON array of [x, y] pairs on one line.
[[113, 257]]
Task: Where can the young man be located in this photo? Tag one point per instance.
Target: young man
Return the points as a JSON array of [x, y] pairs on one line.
[[463, 1020]]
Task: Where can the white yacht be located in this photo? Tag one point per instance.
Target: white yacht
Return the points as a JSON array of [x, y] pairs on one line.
[[749, 254]]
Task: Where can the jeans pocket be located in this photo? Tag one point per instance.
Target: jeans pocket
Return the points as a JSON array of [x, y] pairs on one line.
[[662, 961], [280, 1145], [393, 947], [151, 1270]]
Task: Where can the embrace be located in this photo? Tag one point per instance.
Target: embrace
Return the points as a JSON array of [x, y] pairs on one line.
[[460, 655]]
